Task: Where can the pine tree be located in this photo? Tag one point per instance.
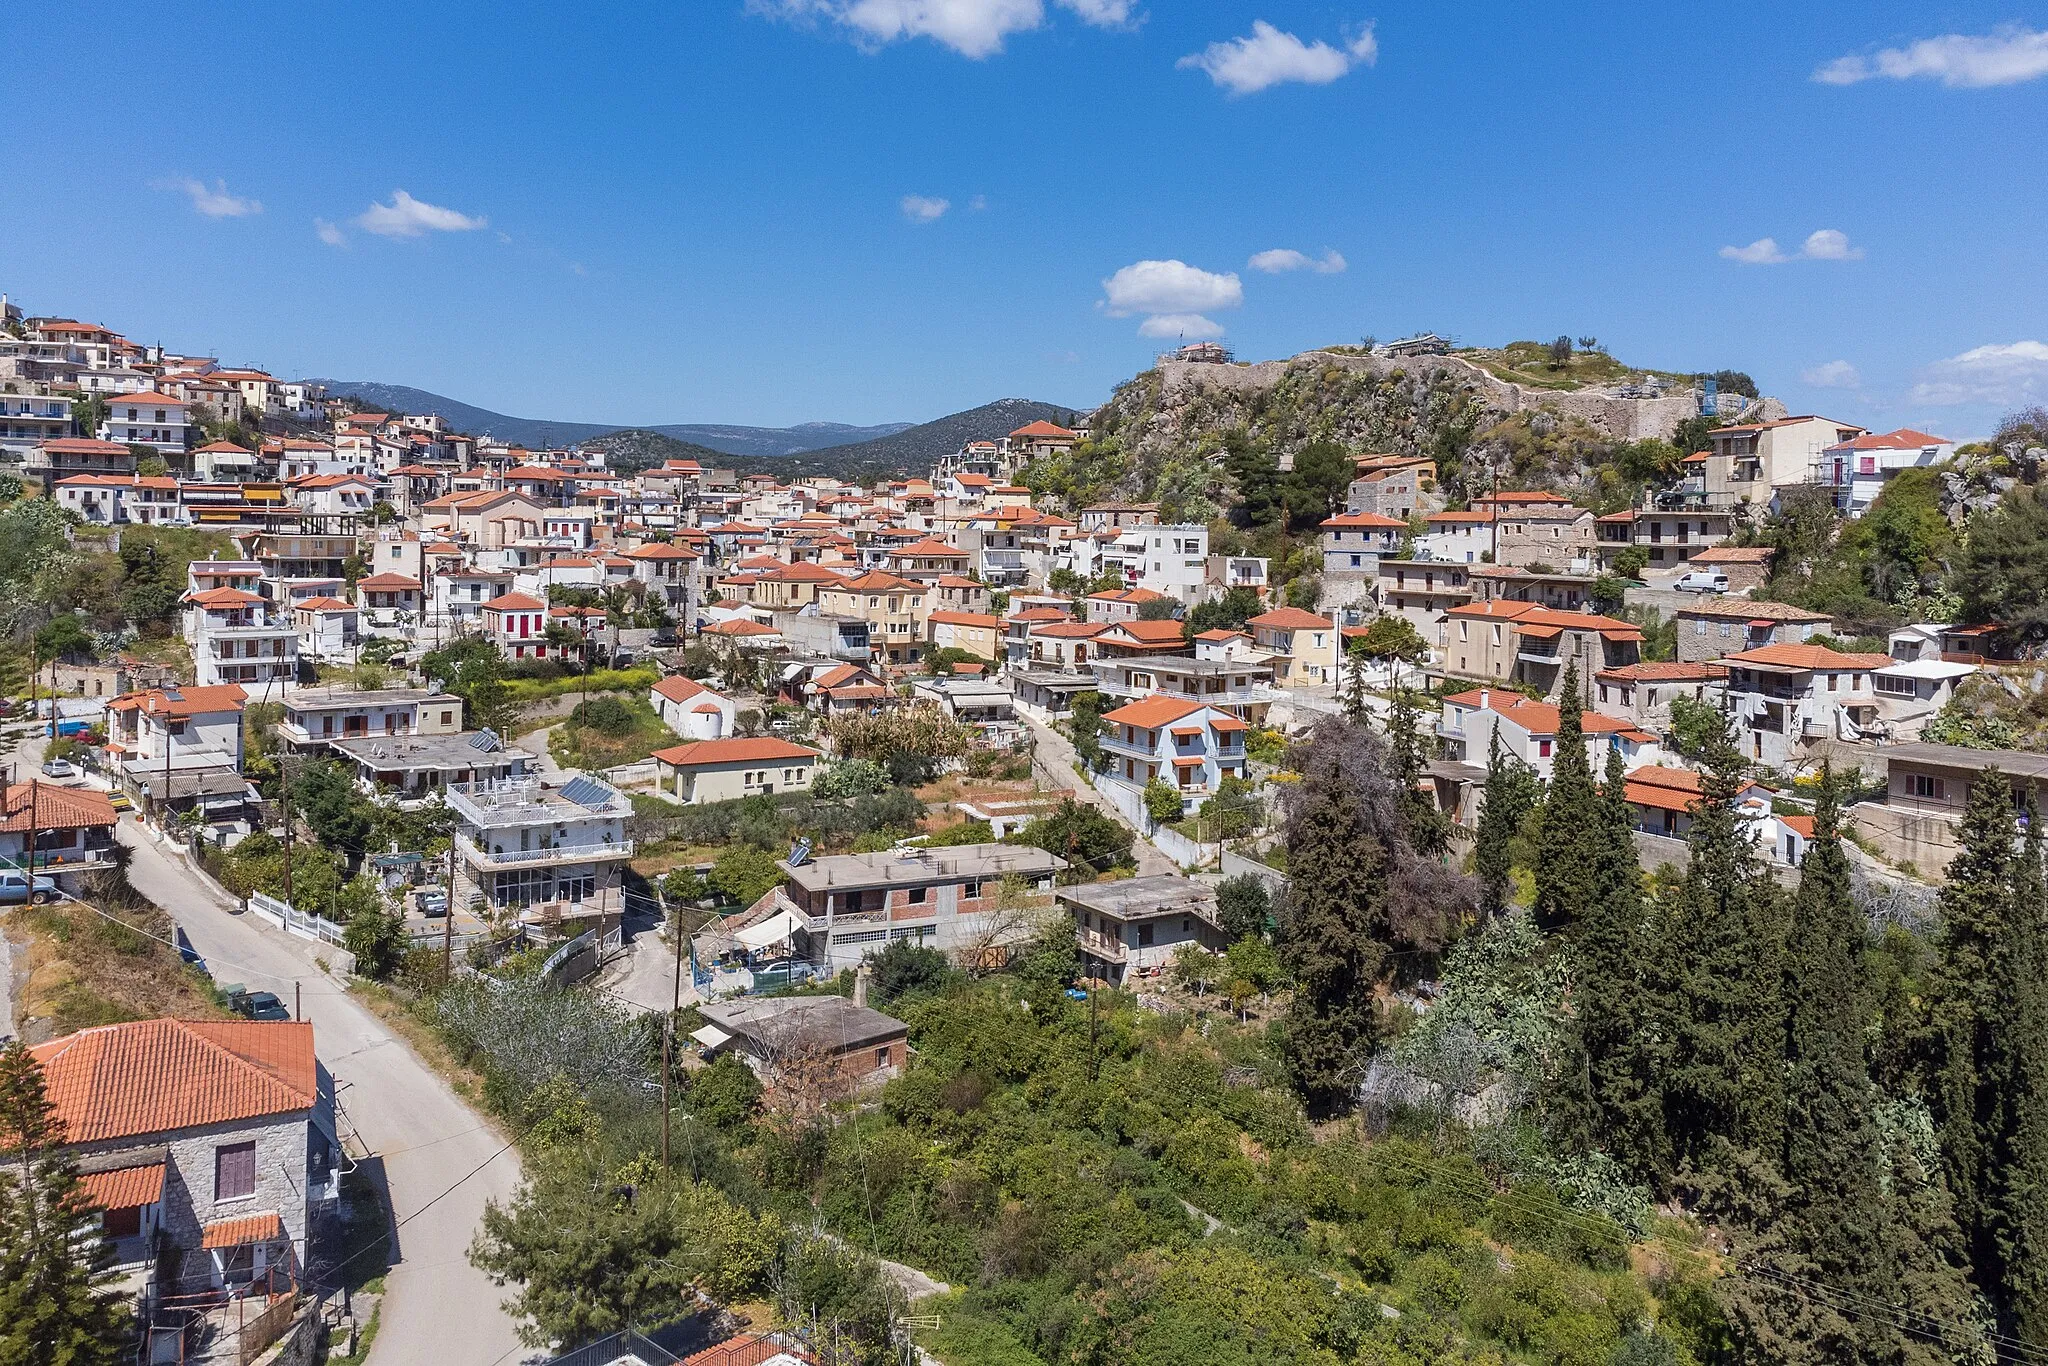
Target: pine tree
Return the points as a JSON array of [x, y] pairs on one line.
[[54, 1307], [1511, 794], [1988, 1057], [1334, 935], [1720, 953], [1612, 1009], [1564, 877], [1427, 828]]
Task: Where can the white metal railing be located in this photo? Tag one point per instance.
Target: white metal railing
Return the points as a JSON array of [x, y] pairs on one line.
[[558, 853], [300, 923]]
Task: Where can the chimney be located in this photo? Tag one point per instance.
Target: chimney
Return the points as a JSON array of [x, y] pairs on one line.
[[1485, 698], [860, 984]]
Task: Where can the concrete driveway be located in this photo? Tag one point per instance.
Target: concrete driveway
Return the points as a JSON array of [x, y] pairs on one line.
[[441, 1159], [1054, 764]]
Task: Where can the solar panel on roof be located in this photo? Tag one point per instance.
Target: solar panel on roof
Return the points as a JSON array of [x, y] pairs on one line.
[[486, 740], [587, 791]]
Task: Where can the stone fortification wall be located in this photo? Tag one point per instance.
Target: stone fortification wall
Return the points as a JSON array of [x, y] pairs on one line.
[[1619, 419]]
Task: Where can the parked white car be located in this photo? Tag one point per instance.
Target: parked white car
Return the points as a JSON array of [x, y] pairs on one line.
[[1702, 581]]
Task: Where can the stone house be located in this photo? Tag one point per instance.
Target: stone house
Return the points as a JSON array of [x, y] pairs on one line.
[[208, 1144]]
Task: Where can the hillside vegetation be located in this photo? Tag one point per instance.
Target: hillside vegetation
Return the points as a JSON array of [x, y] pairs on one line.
[[912, 450]]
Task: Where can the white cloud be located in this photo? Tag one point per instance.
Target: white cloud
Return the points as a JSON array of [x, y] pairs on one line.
[[1282, 259], [972, 28], [2005, 56], [1270, 57], [329, 233], [1190, 325], [1830, 245], [1762, 252], [213, 201], [1834, 374], [2011, 373], [1103, 13], [1169, 287], [922, 209], [405, 216]]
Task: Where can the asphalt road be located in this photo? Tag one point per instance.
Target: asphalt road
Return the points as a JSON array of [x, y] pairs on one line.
[[441, 1160], [1055, 762]]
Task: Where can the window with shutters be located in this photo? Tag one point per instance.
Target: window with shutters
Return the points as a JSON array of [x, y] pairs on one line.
[[234, 1171]]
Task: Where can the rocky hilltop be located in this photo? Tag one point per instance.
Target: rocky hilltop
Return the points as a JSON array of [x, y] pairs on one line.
[[1447, 407]]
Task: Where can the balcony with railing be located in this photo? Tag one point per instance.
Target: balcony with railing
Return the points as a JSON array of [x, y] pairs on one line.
[[545, 854]]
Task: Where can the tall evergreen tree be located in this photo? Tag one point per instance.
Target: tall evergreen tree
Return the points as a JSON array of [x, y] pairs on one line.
[[1721, 948], [1564, 878], [1426, 826], [1988, 1041], [1511, 794], [54, 1304], [1335, 934], [1831, 1157], [1612, 1009], [1988, 1057]]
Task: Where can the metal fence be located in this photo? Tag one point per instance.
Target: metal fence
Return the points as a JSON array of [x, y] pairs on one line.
[[301, 923]]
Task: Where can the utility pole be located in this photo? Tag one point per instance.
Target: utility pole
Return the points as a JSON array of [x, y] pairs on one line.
[[448, 914], [669, 1031], [34, 795], [284, 800]]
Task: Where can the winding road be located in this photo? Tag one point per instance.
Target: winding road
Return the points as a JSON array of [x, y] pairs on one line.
[[440, 1159]]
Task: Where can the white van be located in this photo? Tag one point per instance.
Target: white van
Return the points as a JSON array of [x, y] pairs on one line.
[[1702, 581]]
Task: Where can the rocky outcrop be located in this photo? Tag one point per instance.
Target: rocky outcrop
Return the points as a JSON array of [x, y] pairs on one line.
[[1613, 416]]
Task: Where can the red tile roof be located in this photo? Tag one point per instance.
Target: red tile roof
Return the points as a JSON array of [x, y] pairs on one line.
[[1044, 428], [1540, 718], [388, 583], [151, 1076], [1808, 657], [1664, 671], [748, 1349], [966, 619], [738, 626], [1152, 712], [1291, 619], [224, 597], [514, 602], [734, 750], [247, 1228], [55, 808], [189, 702], [1366, 520], [1150, 632], [125, 1187], [677, 688]]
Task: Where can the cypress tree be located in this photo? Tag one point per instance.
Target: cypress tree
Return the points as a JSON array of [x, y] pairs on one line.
[[1334, 935], [1988, 1057], [2022, 1225], [1565, 883], [1426, 827], [1511, 794], [1831, 1157], [54, 1304], [1611, 1004], [1721, 952]]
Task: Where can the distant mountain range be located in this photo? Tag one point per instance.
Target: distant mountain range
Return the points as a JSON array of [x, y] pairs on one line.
[[913, 449], [540, 432]]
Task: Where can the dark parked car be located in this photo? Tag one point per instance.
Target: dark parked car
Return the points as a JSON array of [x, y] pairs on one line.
[[258, 1005]]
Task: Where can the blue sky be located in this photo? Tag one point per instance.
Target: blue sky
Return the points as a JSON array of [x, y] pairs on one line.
[[713, 210]]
